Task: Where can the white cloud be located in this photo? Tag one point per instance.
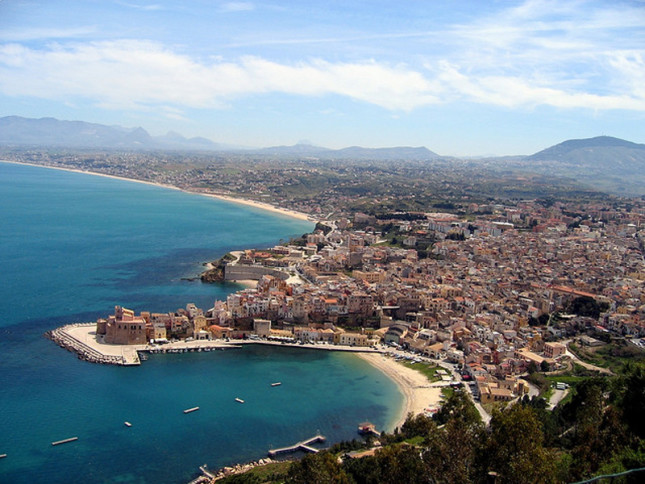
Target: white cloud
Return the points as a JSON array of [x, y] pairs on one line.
[[133, 73], [147, 7], [561, 54], [22, 35], [237, 6]]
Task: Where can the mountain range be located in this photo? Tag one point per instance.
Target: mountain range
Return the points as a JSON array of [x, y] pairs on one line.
[[603, 162], [51, 132]]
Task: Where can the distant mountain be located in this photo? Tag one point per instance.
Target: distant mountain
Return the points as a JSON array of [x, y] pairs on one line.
[[51, 132], [299, 149], [397, 153], [591, 150], [602, 162], [353, 152]]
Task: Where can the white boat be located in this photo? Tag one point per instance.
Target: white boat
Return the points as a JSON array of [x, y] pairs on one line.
[[276, 384], [239, 400], [127, 424], [190, 410]]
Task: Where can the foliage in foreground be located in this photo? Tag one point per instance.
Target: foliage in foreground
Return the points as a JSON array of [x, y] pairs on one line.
[[599, 431]]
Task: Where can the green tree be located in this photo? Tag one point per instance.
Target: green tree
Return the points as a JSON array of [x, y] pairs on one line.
[[320, 468], [514, 448], [450, 452], [632, 398], [458, 405], [401, 463], [418, 425]]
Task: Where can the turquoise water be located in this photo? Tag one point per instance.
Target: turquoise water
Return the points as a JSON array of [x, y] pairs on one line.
[[74, 245]]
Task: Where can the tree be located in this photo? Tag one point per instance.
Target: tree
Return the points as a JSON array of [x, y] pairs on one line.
[[458, 405], [450, 452], [586, 306], [514, 448], [418, 425], [320, 468], [632, 398], [401, 463]]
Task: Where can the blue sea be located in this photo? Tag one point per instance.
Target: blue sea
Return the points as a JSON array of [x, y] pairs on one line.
[[72, 246]]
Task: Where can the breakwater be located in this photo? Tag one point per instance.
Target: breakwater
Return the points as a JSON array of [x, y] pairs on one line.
[[81, 339], [64, 339]]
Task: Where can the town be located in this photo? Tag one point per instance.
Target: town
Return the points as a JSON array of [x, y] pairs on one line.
[[496, 293]]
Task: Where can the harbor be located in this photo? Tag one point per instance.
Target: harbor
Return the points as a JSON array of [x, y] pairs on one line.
[[81, 339]]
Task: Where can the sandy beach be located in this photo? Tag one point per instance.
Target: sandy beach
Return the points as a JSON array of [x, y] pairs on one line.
[[418, 391], [250, 203], [261, 205]]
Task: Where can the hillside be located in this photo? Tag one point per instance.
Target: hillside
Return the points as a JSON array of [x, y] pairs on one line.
[[605, 163]]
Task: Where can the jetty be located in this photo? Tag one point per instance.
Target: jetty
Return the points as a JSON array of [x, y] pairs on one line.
[[367, 428], [190, 410], [65, 441], [305, 446]]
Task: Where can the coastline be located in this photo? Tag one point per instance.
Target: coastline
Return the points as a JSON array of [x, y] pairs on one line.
[[419, 394], [227, 198]]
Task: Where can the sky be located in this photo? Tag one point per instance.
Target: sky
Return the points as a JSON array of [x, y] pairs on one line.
[[463, 78]]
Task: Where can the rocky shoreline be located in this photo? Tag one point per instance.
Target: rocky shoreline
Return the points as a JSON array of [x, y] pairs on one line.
[[224, 472]]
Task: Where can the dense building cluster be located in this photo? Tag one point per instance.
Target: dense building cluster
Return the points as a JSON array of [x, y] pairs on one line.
[[493, 293]]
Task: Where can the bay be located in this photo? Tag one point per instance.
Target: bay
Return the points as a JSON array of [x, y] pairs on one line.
[[74, 245]]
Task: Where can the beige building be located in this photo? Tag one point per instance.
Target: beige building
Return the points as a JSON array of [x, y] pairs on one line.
[[262, 327], [553, 350], [353, 339], [122, 328]]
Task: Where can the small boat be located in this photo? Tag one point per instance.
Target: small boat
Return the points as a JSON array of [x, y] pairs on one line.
[[127, 424], [64, 441], [239, 400], [190, 410], [276, 384], [2, 456]]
